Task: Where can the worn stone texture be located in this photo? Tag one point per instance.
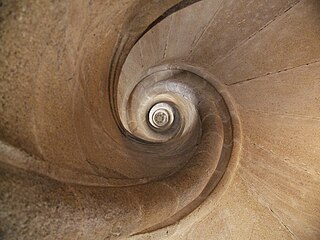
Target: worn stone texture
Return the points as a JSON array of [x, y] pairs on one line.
[[76, 75]]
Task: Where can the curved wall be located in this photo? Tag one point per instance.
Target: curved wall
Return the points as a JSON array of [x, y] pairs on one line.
[[83, 156]]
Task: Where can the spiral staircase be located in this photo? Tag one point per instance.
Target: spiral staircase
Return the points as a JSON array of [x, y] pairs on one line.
[[160, 119]]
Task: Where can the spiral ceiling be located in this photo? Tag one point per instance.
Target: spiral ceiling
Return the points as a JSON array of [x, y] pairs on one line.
[[160, 119]]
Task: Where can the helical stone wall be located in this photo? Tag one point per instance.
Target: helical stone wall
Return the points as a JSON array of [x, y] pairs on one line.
[[181, 133], [159, 119]]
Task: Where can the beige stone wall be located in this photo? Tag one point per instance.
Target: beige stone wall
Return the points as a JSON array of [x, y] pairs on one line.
[[79, 160]]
